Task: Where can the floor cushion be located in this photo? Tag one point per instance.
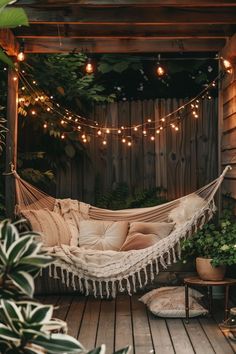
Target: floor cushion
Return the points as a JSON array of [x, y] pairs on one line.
[[170, 302]]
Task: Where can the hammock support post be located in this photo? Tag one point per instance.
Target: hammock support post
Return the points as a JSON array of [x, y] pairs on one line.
[[11, 140]]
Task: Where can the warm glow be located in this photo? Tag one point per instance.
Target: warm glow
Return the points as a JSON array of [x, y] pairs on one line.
[[79, 127], [160, 70], [123, 140], [62, 122], [33, 113], [21, 56], [83, 136], [34, 82], [144, 132], [176, 128], [104, 142], [48, 109], [108, 131], [89, 67], [15, 78], [119, 131], [99, 132], [163, 119], [135, 129], [228, 66], [152, 138], [158, 131], [149, 120], [45, 125], [62, 136], [129, 143]]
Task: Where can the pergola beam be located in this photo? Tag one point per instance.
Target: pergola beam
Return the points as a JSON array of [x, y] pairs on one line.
[[8, 42], [66, 45], [121, 15], [124, 31], [157, 3]]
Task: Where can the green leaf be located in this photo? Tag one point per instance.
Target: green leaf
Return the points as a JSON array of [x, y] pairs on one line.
[[17, 248], [8, 334], [5, 59], [38, 261], [23, 281], [42, 313], [11, 18], [58, 343], [100, 350], [124, 350]]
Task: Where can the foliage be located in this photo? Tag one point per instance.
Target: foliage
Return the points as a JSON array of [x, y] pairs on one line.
[[10, 18], [25, 329], [215, 241], [20, 260], [121, 198]]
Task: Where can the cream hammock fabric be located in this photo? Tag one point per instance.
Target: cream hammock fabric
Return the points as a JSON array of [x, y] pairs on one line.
[[107, 272]]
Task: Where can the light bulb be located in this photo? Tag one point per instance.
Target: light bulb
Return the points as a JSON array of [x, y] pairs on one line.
[[119, 131], [33, 113], [21, 56], [160, 70], [163, 119], [135, 129], [144, 132], [158, 131], [85, 140], [104, 142], [62, 122], [45, 125], [48, 109], [152, 138], [228, 66], [108, 131], [149, 120], [14, 78], [63, 136], [83, 136], [89, 68], [123, 140], [176, 128], [99, 132], [129, 143]]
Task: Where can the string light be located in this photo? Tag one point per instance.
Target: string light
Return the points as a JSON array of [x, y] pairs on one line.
[[104, 142], [129, 143], [62, 136], [21, 54], [15, 78], [228, 66], [72, 118], [160, 70], [89, 67], [45, 125]]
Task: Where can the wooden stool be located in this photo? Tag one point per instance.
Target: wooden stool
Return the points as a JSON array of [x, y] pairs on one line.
[[227, 282]]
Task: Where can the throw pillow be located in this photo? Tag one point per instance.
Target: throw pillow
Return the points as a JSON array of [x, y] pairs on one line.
[[102, 235], [51, 225], [170, 302], [186, 209], [145, 234]]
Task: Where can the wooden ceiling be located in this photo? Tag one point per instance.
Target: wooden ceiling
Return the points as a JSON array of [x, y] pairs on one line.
[[116, 26]]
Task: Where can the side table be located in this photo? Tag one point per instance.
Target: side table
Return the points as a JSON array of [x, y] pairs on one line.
[[196, 281]]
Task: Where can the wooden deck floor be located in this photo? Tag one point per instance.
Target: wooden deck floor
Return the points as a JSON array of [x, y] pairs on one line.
[[125, 320]]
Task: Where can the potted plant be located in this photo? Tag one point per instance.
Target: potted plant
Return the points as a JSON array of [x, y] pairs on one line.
[[214, 248]]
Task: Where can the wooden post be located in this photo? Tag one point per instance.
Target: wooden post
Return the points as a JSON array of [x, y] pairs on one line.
[[11, 139]]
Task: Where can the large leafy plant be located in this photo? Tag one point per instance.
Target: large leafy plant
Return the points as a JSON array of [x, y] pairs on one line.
[[10, 18], [214, 241]]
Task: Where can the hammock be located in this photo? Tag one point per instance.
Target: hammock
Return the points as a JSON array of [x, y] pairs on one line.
[[109, 272]]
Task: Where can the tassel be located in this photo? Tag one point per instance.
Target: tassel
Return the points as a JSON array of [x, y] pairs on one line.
[[107, 289], [94, 289], [86, 286], [168, 258], [81, 285], [113, 289], [62, 276], [179, 249], [128, 286], [173, 255], [67, 279], [73, 282], [152, 271], [146, 277], [157, 266], [121, 289], [55, 276], [134, 283], [139, 279], [163, 262], [100, 289]]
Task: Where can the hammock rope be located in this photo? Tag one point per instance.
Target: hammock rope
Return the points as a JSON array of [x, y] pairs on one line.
[[90, 270]]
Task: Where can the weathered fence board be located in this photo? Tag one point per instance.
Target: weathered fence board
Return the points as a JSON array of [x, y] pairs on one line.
[[179, 161]]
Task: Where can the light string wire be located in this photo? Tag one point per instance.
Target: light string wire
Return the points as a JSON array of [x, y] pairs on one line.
[[81, 120]]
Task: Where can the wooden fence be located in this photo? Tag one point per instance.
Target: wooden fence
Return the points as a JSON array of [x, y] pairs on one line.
[[179, 161]]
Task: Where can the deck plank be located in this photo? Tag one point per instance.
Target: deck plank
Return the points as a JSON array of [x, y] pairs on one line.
[[160, 335], [88, 330], [180, 339], [198, 337], [216, 337], [141, 330], [123, 331], [62, 307], [75, 315], [106, 328]]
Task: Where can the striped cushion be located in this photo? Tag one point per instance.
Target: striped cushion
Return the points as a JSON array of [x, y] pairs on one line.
[[51, 225]]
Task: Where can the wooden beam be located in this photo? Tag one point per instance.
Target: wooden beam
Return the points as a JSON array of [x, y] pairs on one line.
[[125, 31], [158, 3], [138, 15], [11, 140], [65, 45], [8, 42]]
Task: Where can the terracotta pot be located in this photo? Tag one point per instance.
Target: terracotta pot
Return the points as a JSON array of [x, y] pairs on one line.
[[207, 272]]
